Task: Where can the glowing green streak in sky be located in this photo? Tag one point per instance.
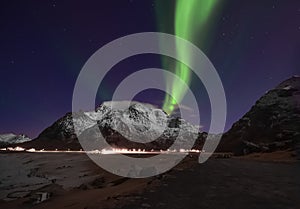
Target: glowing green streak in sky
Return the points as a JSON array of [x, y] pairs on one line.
[[191, 19]]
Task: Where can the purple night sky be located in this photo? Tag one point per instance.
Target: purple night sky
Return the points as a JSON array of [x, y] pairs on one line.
[[44, 45]]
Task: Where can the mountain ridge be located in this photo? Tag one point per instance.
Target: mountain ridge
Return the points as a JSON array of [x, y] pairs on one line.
[[272, 123], [11, 139], [147, 126]]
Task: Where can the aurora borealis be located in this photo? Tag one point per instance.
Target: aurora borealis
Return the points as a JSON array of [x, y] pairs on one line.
[[190, 20], [254, 45]]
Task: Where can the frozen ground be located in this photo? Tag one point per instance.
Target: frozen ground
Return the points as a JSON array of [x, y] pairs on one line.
[[228, 183], [75, 182]]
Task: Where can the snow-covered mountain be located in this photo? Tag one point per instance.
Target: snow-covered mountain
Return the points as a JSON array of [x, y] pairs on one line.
[[141, 126], [272, 123], [10, 139], [140, 123]]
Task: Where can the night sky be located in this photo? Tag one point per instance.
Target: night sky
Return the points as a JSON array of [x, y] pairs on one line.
[[44, 44]]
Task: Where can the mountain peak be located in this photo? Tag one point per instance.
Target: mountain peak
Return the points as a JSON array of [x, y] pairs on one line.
[[11, 138], [120, 121], [272, 123], [291, 83]]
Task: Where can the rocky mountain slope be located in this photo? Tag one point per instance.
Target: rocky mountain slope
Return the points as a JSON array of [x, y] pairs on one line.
[[141, 122], [272, 123], [11, 139]]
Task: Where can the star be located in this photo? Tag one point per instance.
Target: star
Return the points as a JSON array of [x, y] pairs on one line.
[[54, 4]]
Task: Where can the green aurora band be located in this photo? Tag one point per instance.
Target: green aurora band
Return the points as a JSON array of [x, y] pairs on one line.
[[192, 20]]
